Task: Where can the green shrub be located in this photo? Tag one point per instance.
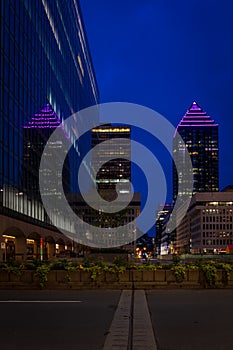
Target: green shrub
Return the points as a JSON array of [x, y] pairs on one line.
[[69, 268], [17, 270], [210, 274], [190, 266], [227, 268], [96, 271], [59, 264], [29, 266], [114, 268], [176, 259], [179, 272], [119, 261], [2, 265], [42, 273]]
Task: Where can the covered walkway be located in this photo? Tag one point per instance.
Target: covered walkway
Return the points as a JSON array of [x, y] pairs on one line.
[[25, 241]]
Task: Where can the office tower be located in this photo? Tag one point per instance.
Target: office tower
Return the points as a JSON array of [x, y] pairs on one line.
[[45, 61], [200, 135], [117, 170], [112, 163], [36, 134]]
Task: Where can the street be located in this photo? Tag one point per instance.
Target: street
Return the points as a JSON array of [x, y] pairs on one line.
[[97, 320], [56, 319], [192, 319]]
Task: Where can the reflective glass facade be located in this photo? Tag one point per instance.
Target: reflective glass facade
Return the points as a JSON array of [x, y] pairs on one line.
[[36, 134], [45, 60]]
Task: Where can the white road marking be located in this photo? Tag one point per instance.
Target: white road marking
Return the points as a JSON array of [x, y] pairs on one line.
[[40, 301]]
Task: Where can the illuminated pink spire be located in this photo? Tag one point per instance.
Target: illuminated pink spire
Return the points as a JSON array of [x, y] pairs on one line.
[[45, 119], [195, 116], [195, 107]]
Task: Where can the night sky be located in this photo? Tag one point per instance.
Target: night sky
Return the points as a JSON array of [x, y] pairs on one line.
[[165, 54]]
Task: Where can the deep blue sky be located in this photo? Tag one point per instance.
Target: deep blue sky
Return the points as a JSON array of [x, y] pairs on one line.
[[164, 54]]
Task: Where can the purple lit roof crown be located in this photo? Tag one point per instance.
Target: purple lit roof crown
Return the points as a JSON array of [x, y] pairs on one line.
[[195, 116], [45, 119]]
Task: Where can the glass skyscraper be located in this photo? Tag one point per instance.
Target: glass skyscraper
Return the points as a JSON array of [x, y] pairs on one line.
[[36, 134], [200, 135], [45, 63]]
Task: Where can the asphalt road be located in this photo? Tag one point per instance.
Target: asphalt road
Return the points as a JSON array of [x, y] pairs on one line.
[[73, 320], [192, 319], [82, 320]]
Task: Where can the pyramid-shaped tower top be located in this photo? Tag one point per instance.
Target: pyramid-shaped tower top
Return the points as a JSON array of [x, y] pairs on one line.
[[195, 116], [195, 106], [45, 119]]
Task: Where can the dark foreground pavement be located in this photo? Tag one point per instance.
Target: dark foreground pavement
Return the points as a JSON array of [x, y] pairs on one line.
[[192, 319], [67, 320], [110, 320]]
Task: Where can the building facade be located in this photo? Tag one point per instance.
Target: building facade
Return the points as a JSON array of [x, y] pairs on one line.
[[114, 144], [207, 226], [36, 134], [45, 61], [200, 135], [117, 170], [98, 218], [162, 239]]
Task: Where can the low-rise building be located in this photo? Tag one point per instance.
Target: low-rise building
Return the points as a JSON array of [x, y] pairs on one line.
[[108, 220], [207, 225]]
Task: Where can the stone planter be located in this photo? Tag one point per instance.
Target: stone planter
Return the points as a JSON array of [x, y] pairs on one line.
[[75, 276], [148, 276], [219, 276], [62, 275], [124, 276], [85, 276], [27, 276], [160, 276], [13, 277], [111, 277], [138, 279], [4, 276], [170, 277], [230, 282], [193, 276], [136, 275]]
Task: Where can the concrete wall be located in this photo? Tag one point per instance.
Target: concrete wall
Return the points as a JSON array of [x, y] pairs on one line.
[[132, 279]]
